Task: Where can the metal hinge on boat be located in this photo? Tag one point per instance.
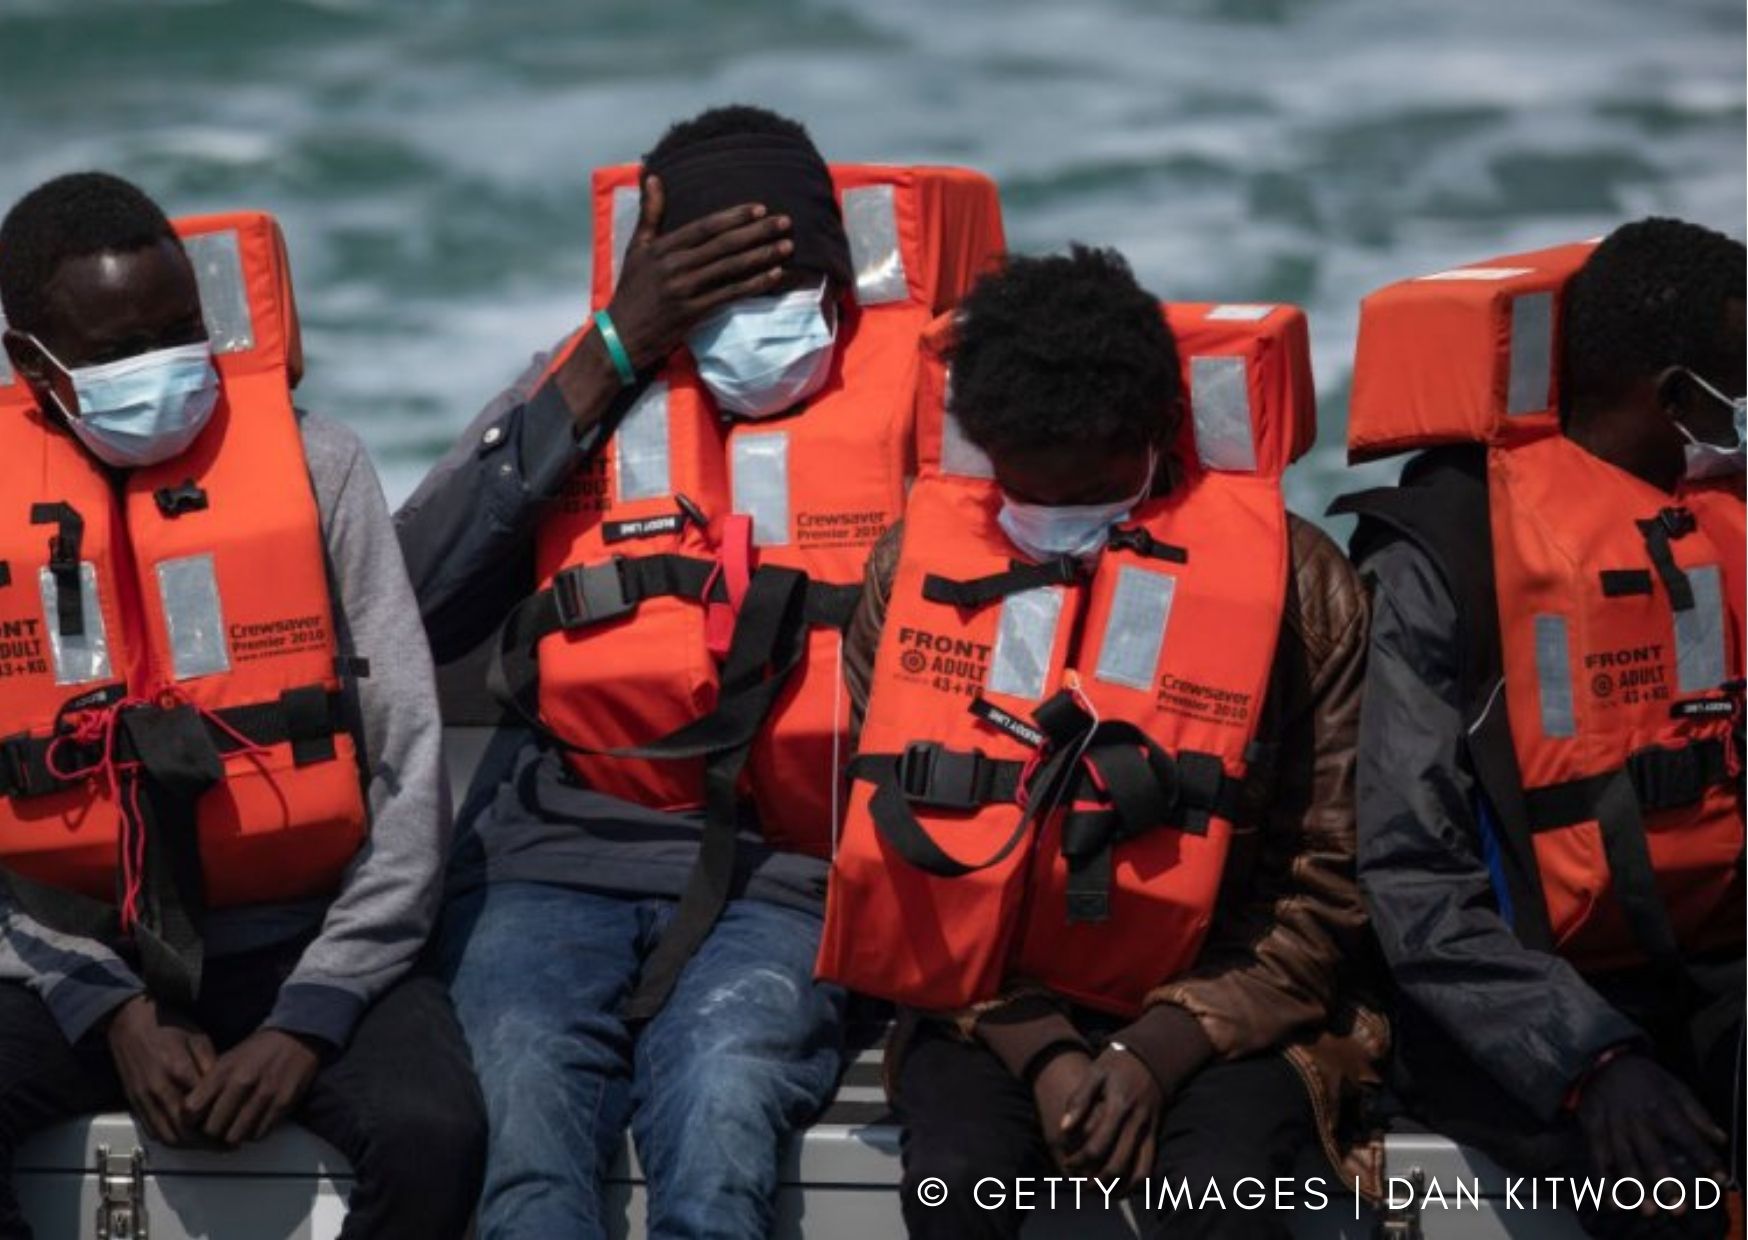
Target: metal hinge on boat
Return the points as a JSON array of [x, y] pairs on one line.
[[1403, 1222], [121, 1195]]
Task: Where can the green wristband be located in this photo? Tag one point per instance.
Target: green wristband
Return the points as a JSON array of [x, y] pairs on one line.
[[615, 348]]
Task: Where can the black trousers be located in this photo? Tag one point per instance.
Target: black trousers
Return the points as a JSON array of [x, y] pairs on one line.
[[1696, 1036], [966, 1117], [400, 1101]]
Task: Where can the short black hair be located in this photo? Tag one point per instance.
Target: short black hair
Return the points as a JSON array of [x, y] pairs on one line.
[[1653, 294], [69, 217], [731, 120], [1062, 347]]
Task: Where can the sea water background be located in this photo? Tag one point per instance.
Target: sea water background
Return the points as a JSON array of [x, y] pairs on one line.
[[429, 160]]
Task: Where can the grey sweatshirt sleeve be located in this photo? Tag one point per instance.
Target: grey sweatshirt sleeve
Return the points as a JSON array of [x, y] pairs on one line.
[[378, 923], [80, 980], [1525, 1016]]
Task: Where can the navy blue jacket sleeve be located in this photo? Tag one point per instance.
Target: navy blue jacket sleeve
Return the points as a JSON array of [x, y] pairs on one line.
[[467, 532], [1525, 1016]]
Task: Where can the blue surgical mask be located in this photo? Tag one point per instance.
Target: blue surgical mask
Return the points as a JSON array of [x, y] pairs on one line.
[[1045, 531], [143, 409], [762, 355], [1714, 460]]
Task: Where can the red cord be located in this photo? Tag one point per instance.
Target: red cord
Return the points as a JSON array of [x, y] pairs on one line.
[[122, 783]]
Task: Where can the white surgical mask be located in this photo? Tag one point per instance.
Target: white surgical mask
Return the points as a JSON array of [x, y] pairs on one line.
[[143, 409], [1714, 460], [1045, 531], [762, 355]]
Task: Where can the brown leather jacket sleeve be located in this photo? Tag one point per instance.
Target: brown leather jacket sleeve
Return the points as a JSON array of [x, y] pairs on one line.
[[1290, 909], [865, 625]]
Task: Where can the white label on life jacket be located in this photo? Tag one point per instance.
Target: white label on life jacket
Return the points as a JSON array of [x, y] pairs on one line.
[[1699, 633], [1554, 676], [1530, 385], [1220, 407], [224, 300], [1135, 632], [1024, 638], [1237, 313], [759, 475], [1477, 273], [640, 447], [871, 226], [82, 659], [188, 591]]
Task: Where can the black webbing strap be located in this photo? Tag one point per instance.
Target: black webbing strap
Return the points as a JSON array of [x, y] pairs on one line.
[[831, 606], [1147, 789], [1669, 524], [307, 717], [769, 643], [1634, 879], [979, 592], [934, 776], [1651, 779], [1661, 778], [64, 552]]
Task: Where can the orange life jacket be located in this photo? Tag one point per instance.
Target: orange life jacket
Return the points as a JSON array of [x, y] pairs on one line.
[[657, 537], [1052, 758], [1617, 779], [191, 593]]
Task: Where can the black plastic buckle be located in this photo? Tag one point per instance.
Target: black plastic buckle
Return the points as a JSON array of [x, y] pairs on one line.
[[940, 778], [1677, 522], [1139, 540], [177, 500], [590, 594]]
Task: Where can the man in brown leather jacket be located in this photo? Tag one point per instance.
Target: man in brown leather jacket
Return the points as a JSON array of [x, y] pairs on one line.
[[1237, 1066]]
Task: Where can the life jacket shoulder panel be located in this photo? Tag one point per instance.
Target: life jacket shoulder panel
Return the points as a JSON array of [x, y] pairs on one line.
[[175, 608], [1173, 634], [816, 487]]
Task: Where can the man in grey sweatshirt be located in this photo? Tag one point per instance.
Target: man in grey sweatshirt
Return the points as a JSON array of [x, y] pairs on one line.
[[304, 1010]]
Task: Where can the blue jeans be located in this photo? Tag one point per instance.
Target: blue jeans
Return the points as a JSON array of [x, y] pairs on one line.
[[746, 1052]]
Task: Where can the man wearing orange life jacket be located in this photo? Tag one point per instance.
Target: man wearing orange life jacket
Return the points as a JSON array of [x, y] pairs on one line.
[[221, 821], [655, 526], [1550, 777], [1089, 579]]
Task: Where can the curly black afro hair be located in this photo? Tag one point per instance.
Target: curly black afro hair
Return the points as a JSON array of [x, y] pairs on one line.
[[1062, 347], [733, 119], [1652, 295], [69, 217]]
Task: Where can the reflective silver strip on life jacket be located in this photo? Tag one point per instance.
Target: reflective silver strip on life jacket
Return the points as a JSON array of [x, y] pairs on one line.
[[758, 467], [1220, 406], [82, 659], [1024, 638], [871, 225], [1699, 633], [1530, 387], [959, 456], [189, 593], [5, 362], [627, 201], [224, 299], [1554, 676], [1135, 632], [641, 459]]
